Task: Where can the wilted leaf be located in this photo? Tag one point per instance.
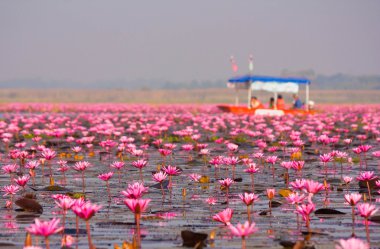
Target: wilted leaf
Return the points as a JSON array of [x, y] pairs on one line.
[[204, 179], [285, 192]]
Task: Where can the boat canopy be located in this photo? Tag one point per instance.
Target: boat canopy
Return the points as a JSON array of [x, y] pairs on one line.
[[268, 83]]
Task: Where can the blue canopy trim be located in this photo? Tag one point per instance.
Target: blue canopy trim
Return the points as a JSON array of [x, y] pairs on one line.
[[269, 79]]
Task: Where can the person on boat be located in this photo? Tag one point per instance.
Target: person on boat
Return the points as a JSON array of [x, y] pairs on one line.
[[255, 103], [271, 103], [280, 102], [297, 104]]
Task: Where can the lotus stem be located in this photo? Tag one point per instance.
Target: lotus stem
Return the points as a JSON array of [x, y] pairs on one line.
[[88, 234]]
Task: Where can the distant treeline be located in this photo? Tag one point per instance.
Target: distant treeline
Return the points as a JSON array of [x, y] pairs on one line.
[[336, 81]]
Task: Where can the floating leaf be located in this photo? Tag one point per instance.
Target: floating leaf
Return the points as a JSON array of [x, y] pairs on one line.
[[55, 188], [276, 204], [76, 195], [204, 179], [285, 192], [30, 205], [239, 179], [323, 212], [375, 218], [191, 239], [152, 218]]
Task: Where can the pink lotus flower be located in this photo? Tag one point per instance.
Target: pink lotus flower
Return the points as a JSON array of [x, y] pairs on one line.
[[325, 158], [211, 200], [224, 216], [137, 206], [139, 163], [135, 191], [10, 168], [117, 165], [164, 152], [366, 210], [298, 184], [86, 210], [347, 179], [366, 176], [353, 198], [232, 147], [22, 181], [171, 170], [271, 159], [226, 182], [48, 154], [251, 168], [65, 203], [195, 177], [365, 148], [287, 165], [32, 165], [313, 187], [248, 198], [305, 210], [187, 147], [44, 228], [351, 243], [295, 198], [10, 189], [76, 149], [105, 176], [357, 150], [81, 166], [159, 176], [243, 230]]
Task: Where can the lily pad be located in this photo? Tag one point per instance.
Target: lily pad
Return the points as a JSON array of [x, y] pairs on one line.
[[375, 218], [30, 205], [276, 204], [192, 239], [323, 212]]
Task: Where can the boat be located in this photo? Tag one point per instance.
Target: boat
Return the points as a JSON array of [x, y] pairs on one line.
[[275, 85]]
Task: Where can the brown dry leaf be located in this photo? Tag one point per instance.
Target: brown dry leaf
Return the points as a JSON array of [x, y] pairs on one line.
[[285, 192], [204, 179], [78, 157]]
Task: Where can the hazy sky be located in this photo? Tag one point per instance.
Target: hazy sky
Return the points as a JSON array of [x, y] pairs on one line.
[[92, 40]]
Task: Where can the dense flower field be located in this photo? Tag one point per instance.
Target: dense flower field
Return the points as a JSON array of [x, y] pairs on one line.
[[131, 176]]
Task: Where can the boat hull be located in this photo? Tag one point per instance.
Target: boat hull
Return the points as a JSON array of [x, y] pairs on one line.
[[262, 111]]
